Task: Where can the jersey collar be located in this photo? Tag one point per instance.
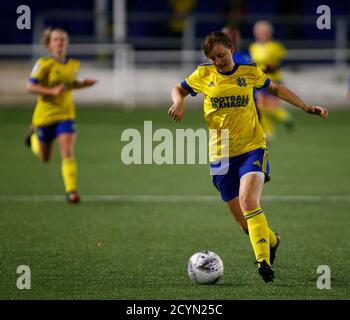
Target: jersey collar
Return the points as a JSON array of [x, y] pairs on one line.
[[61, 61], [230, 72]]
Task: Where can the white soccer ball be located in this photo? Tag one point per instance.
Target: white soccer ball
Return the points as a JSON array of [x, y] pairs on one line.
[[205, 267]]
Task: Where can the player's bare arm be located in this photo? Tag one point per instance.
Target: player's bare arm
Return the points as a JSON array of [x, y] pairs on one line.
[[39, 89], [87, 82], [287, 95], [177, 110]]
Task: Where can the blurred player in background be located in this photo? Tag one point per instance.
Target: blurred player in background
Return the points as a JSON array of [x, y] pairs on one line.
[[180, 10], [268, 55], [53, 78], [239, 55], [228, 89]]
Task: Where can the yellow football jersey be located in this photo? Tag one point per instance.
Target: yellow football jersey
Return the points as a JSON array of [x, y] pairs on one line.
[[268, 54], [229, 104], [50, 72]]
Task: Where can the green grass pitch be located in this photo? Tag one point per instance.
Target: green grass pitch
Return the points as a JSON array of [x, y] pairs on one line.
[[137, 249]]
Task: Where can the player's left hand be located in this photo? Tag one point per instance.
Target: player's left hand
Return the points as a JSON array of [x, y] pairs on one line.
[[317, 110], [87, 82]]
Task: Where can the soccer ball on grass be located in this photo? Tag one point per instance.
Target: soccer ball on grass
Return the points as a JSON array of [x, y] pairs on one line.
[[205, 267]]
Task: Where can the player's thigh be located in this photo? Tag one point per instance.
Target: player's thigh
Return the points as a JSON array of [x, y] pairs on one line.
[[251, 186], [46, 135]]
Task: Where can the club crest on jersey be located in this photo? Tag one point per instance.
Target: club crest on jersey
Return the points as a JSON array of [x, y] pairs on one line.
[[241, 82]]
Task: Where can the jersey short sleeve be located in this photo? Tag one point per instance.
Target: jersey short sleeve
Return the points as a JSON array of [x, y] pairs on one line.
[[39, 71], [192, 83], [261, 79]]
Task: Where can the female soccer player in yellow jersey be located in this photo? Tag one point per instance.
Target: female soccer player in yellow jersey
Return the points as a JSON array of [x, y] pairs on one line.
[[53, 78], [228, 89], [268, 54]]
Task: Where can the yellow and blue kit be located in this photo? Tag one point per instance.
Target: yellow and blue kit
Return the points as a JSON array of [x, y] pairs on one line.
[[268, 57], [51, 110], [229, 104]]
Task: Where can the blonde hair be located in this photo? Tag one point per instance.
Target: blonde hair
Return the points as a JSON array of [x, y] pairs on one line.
[[45, 38]]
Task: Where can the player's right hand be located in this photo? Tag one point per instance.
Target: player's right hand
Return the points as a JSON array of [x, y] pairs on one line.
[[57, 90], [317, 110], [176, 111], [89, 82]]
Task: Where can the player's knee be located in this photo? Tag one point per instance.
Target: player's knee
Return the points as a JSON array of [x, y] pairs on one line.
[[248, 202], [67, 151]]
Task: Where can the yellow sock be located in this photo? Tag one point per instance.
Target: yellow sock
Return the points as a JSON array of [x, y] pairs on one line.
[[34, 144], [259, 234], [272, 237], [69, 173]]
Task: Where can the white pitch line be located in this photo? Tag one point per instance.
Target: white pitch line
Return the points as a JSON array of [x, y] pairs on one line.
[[169, 198]]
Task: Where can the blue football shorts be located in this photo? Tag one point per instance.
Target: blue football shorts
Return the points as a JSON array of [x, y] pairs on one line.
[[227, 182], [48, 133]]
